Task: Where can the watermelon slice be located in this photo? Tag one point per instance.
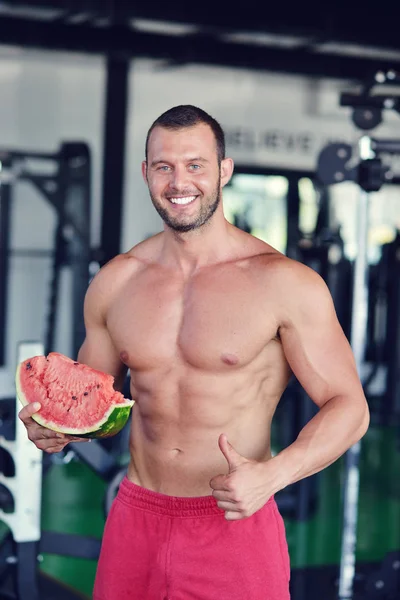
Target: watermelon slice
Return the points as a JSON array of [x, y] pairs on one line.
[[75, 399]]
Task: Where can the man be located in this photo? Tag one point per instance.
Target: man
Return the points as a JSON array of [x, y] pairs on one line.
[[211, 322]]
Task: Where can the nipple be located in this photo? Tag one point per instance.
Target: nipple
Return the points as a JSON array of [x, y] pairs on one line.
[[230, 359], [124, 356]]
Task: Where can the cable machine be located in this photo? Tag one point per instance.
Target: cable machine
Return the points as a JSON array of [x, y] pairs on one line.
[[335, 165], [68, 192]]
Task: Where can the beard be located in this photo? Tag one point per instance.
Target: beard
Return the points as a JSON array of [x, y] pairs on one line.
[[183, 224]]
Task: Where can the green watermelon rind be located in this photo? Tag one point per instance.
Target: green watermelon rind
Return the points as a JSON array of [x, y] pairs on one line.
[[113, 421]]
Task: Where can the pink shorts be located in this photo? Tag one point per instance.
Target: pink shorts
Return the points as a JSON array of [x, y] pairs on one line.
[[158, 547]]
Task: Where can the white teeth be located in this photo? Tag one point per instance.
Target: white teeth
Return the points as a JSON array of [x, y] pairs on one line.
[[186, 200]]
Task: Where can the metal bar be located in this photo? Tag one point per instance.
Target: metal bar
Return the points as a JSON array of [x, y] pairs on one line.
[[45, 184], [69, 544], [352, 457], [322, 22], [393, 332], [96, 457], [57, 261], [31, 252], [26, 575], [388, 146], [57, 201], [125, 42], [114, 156], [365, 101], [5, 229], [21, 154], [75, 180], [293, 210]]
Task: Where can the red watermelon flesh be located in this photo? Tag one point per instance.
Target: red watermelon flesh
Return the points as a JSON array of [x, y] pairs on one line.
[[74, 398]]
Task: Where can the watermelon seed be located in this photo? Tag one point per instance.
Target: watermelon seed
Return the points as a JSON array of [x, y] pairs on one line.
[[68, 409], [85, 393], [73, 397], [98, 386], [28, 366], [76, 363]]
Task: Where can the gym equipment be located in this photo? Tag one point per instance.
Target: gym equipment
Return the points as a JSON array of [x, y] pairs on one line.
[[335, 166], [383, 385], [24, 481], [368, 106], [390, 265], [299, 500], [384, 583], [23, 467], [323, 251], [68, 193], [20, 509]]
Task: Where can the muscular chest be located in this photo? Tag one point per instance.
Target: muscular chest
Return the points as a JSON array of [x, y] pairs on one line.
[[209, 323]]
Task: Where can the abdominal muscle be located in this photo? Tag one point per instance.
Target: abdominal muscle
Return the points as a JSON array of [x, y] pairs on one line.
[[174, 435]]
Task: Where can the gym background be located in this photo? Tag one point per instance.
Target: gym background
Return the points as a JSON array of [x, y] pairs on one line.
[[81, 82]]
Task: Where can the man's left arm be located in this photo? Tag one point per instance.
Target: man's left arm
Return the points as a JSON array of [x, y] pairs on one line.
[[322, 361]]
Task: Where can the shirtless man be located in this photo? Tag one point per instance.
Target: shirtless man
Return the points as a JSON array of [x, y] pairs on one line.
[[211, 323]]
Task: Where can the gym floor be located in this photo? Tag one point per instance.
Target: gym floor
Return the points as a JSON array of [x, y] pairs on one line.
[[73, 498]]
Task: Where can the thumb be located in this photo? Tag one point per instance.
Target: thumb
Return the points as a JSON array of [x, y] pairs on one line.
[[233, 458]]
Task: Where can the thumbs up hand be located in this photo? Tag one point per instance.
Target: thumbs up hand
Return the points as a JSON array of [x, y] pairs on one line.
[[247, 486]]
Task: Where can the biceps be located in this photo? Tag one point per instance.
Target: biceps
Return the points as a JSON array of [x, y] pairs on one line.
[[321, 359], [99, 352]]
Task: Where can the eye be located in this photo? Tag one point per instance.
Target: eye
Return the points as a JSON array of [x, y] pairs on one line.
[[195, 167], [163, 168]]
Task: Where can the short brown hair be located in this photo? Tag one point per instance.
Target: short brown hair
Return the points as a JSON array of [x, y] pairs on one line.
[[187, 115]]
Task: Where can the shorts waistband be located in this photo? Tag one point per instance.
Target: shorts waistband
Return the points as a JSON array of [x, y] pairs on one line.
[[173, 506]]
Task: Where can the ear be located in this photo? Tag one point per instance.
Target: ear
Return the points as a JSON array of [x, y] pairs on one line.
[[226, 170], [144, 171]]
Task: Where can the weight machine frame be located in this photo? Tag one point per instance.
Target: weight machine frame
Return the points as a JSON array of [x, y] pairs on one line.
[[21, 550], [334, 166], [68, 192]]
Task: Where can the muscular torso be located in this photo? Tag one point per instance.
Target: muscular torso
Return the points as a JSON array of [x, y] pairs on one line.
[[205, 359]]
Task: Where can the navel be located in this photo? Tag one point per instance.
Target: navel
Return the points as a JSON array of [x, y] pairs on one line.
[[230, 359]]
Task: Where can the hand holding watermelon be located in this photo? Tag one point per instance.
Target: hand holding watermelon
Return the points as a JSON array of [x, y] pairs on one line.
[[43, 438], [76, 402]]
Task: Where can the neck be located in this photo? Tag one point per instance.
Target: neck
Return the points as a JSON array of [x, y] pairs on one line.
[[200, 247]]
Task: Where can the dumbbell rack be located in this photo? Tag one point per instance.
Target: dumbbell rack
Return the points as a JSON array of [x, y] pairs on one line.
[[25, 487], [22, 549]]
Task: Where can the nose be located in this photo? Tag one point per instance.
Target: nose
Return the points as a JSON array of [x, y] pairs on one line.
[[179, 179]]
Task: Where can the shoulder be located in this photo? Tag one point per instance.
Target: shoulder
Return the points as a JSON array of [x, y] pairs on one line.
[[297, 289], [127, 264], [123, 267], [277, 270], [114, 271], [104, 285], [289, 272]]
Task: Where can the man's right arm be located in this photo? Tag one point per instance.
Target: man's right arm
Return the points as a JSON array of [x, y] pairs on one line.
[[97, 351]]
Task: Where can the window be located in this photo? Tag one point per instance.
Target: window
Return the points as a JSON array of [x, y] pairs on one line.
[[384, 217], [309, 205], [257, 204]]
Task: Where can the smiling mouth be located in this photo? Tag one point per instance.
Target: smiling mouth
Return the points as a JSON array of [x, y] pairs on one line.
[[182, 200]]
